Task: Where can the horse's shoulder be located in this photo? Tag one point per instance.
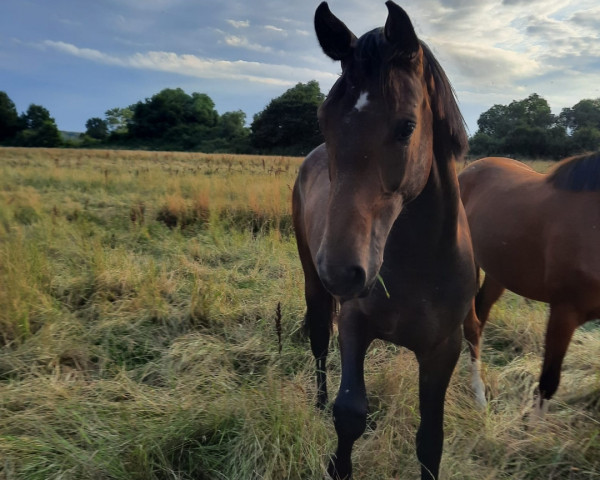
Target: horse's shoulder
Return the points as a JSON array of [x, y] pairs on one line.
[[315, 160], [314, 163]]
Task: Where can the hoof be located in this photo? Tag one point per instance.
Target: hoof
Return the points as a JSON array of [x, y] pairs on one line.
[[533, 417], [538, 413], [335, 473]]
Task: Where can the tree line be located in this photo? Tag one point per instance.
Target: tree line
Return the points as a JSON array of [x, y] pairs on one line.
[[527, 128], [175, 120]]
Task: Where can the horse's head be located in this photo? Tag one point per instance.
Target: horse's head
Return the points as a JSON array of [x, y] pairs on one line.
[[377, 123]]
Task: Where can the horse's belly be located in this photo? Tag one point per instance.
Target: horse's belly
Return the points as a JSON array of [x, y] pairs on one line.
[[573, 268], [516, 263]]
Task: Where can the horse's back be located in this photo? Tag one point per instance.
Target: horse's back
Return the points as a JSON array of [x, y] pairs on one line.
[[494, 187], [496, 173]]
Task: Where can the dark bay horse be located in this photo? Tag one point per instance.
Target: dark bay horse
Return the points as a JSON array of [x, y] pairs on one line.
[[539, 236], [380, 200]]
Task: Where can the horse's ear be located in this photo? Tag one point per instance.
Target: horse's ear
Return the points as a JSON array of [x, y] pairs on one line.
[[399, 31], [336, 40]]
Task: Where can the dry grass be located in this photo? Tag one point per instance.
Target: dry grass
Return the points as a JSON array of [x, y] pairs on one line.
[[138, 295]]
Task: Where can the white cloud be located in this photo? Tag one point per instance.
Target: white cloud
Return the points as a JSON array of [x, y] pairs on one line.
[[488, 64], [494, 51], [87, 53], [239, 23], [194, 66], [274, 29], [242, 42]]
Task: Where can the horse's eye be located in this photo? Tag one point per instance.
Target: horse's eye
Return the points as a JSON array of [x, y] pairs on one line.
[[404, 130]]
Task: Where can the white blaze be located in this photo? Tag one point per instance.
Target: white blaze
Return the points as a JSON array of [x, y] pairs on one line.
[[362, 102]]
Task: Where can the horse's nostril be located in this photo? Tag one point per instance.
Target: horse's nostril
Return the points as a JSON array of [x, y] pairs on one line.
[[343, 280], [356, 275]]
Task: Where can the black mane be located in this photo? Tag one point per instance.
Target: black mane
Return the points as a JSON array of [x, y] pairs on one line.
[[372, 52], [577, 174]]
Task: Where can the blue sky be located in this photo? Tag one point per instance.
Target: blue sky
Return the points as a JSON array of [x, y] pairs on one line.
[[79, 58]]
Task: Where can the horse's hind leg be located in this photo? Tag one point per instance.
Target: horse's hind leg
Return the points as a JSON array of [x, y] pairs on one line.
[[320, 307], [472, 331], [488, 294], [435, 370], [564, 319]]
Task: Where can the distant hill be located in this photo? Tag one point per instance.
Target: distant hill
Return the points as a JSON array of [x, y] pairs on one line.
[[71, 136]]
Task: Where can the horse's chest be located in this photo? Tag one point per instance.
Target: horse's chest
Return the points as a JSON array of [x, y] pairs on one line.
[[415, 320]]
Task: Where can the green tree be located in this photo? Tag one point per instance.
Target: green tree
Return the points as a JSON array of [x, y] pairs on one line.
[[484, 144], [9, 118], [173, 116], [40, 129], [96, 128], [495, 122], [231, 125], [118, 119], [585, 139], [524, 127], [230, 134], [173, 108], [585, 113], [532, 111], [35, 117], [289, 123], [201, 110]]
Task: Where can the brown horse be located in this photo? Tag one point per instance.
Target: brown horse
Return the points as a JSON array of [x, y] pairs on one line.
[[380, 200], [539, 236]]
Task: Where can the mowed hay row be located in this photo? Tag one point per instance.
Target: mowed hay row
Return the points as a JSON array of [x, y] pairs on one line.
[[136, 349]]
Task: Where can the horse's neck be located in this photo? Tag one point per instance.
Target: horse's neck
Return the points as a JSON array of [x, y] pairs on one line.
[[443, 173], [433, 214]]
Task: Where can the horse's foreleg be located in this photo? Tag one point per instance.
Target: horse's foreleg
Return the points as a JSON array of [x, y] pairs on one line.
[[564, 319], [319, 312], [435, 370], [350, 407]]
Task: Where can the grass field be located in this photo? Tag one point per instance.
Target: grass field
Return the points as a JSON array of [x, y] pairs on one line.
[[139, 297]]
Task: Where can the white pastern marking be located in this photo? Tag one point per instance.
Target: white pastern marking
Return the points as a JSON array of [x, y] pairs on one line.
[[362, 102], [539, 411], [477, 384]]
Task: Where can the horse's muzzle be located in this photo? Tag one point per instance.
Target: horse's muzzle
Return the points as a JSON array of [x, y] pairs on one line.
[[342, 280]]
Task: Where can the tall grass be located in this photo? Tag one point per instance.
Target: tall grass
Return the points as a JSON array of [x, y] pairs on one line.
[[138, 301]]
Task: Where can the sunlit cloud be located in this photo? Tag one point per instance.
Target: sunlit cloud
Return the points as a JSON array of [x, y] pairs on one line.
[[239, 23], [194, 66], [242, 42], [493, 51], [490, 65], [274, 29], [87, 53]]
